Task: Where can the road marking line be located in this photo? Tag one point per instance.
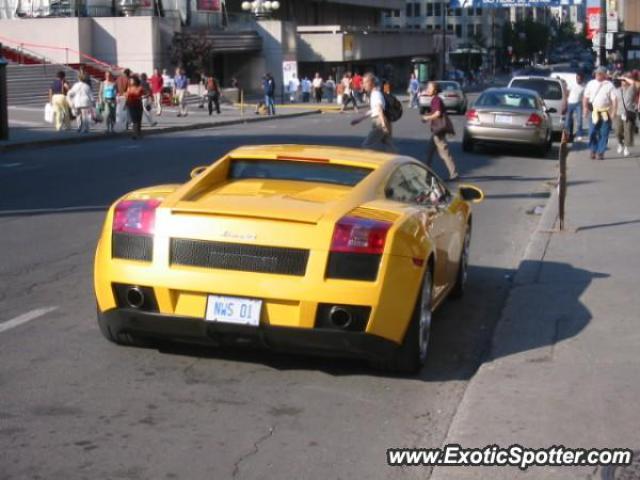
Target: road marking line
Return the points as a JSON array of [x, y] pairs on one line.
[[25, 317], [88, 208]]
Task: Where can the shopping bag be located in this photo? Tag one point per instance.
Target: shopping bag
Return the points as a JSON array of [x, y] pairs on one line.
[[48, 113]]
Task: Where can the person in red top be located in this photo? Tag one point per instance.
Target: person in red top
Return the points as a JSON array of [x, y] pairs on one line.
[[157, 83], [134, 96], [357, 87]]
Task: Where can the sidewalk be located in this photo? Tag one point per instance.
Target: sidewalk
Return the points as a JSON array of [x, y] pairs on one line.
[[564, 367], [27, 128]]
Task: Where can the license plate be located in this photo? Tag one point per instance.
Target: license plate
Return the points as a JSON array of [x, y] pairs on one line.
[[240, 311], [504, 119]]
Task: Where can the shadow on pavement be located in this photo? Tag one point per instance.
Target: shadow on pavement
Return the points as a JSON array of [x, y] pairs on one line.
[[462, 331]]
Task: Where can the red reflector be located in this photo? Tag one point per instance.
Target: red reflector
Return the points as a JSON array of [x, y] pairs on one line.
[[135, 216], [359, 235], [535, 120], [452, 95], [302, 159]]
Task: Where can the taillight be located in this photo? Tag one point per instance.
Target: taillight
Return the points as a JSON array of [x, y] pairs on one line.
[[452, 95], [535, 120], [135, 216], [359, 235], [472, 116]]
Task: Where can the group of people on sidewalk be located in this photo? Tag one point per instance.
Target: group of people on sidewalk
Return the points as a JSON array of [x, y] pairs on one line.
[[128, 98], [607, 104]]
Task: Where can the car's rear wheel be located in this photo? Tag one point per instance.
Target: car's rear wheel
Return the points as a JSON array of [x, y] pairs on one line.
[[463, 266], [118, 338], [411, 355], [467, 143]]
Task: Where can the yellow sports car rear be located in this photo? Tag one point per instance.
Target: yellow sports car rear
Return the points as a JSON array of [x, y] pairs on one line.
[[299, 248]]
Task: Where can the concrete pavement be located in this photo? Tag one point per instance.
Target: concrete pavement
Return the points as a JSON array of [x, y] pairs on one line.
[[564, 363], [74, 406]]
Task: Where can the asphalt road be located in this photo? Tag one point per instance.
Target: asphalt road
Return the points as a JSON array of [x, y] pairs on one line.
[[73, 405]]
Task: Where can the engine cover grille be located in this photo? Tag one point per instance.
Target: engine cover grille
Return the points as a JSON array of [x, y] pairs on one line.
[[237, 256], [132, 247]]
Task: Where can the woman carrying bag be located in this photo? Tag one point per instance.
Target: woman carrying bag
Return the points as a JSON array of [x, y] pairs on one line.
[[441, 126], [80, 97]]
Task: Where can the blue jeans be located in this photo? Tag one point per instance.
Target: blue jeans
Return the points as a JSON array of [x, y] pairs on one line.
[[573, 109], [414, 99], [599, 136], [270, 104]]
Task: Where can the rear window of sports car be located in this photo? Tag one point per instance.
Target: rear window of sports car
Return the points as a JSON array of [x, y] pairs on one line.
[[298, 171]]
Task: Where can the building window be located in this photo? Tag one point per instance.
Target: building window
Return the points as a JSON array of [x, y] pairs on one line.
[[457, 12], [396, 13], [437, 9], [429, 9], [409, 9], [429, 28], [479, 12], [469, 11], [459, 31], [416, 10], [450, 27]]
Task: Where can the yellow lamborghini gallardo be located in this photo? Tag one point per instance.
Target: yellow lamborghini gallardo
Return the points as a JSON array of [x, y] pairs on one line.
[[329, 250]]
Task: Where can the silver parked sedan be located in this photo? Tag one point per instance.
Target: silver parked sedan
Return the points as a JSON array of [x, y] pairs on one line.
[[451, 94], [513, 116]]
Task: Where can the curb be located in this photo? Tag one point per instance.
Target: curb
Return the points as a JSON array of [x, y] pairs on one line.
[[526, 274], [157, 131]]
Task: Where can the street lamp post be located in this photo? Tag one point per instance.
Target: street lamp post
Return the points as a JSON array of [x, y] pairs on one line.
[[444, 38], [261, 8]]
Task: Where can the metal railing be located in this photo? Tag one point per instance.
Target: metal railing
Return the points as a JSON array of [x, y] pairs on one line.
[[30, 50]]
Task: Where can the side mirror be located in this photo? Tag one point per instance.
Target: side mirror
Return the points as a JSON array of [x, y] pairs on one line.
[[472, 194], [197, 171], [552, 110]]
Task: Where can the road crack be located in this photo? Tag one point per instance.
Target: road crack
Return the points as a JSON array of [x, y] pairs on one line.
[[256, 448]]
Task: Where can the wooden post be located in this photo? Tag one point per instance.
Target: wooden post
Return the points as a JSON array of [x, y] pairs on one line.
[[562, 179]]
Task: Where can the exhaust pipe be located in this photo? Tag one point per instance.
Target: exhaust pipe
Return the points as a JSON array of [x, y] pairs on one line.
[[135, 297], [340, 317]]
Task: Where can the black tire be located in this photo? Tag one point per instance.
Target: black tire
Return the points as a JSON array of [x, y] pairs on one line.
[[546, 148], [463, 265], [468, 144], [124, 339], [409, 357], [462, 110]]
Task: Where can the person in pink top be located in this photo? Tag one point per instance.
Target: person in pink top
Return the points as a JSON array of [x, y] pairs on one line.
[[156, 83]]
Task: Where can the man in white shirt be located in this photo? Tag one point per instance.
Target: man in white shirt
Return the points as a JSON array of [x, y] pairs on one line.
[[599, 104], [293, 87], [380, 136], [318, 83], [576, 91]]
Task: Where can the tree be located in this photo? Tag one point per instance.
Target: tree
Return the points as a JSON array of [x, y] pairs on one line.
[[192, 52]]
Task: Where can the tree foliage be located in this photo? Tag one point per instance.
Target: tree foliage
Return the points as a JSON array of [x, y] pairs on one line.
[[192, 52], [527, 37]]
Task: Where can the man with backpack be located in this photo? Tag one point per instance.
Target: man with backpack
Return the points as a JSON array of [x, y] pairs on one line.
[[381, 114]]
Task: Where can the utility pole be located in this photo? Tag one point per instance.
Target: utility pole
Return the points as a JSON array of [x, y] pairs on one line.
[[602, 58]]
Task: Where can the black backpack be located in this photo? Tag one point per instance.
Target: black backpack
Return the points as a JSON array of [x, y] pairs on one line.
[[392, 107]]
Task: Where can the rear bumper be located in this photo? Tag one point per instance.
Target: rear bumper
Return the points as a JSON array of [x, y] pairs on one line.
[[534, 136], [325, 342]]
